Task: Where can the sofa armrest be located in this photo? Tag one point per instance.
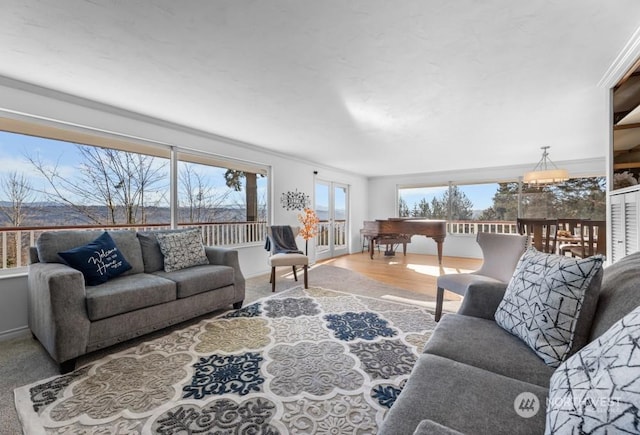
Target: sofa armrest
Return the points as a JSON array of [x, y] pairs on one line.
[[228, 257], [57, 310], [482, 300], [430, 427]]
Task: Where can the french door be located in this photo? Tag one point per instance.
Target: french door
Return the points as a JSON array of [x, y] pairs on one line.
[[332, 208]]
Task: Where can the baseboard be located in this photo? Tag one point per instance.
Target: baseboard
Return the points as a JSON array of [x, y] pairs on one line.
[[15, 333]]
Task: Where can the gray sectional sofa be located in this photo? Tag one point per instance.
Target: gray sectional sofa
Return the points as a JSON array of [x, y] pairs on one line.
[[473, 372], [70, 318]]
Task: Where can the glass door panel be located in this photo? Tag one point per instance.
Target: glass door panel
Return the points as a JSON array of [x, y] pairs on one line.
[[332, 208]]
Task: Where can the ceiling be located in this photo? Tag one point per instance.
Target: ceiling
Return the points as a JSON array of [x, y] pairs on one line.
[[369, 86]]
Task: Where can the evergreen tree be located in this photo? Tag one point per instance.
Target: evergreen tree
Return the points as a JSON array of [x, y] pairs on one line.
[[461, 206], [581, 198], [439, 208], [403, 208], [505, 202], [422, 209]]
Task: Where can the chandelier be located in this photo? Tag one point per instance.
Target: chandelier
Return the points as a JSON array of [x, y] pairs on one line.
[[545, 172]]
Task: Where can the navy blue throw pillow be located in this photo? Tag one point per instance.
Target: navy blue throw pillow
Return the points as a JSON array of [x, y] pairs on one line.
[[98, 261]]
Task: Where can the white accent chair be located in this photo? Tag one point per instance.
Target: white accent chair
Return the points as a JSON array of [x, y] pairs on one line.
[[500, 253], [287, 259]]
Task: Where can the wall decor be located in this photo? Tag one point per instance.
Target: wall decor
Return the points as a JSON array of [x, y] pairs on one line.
[[294, 200]]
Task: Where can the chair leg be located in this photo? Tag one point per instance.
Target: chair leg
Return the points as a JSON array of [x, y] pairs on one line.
[[295, 276], [273, 279], [306, 280], [439, 302]]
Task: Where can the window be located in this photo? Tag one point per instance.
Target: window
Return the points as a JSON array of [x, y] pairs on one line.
[[494, 207], [52, 180]]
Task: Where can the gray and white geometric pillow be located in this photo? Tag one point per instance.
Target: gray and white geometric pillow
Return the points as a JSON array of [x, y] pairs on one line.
[[182, 249], [544, 300], [597, 390]]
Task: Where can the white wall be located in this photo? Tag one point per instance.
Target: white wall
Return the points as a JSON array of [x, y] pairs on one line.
[[287, 174]]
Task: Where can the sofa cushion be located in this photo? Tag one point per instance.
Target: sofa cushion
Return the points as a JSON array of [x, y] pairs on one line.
[[128, 293], [151, 253], [597, 390], [98, 260], [619, 293], [464, 398], [51, 242], [199, 279], [484, 344], [182, 249], [550, 301]]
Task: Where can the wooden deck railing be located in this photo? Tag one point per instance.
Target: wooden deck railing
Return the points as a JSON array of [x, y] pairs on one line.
[[475, 227], [15, 241], [339, 233]]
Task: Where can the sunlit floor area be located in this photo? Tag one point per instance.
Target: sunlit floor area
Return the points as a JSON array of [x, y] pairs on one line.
[[413, 272]]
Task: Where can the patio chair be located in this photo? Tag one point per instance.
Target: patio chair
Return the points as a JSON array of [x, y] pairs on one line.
[[543, 233], [285, 252], [500, 253], [593, 239]]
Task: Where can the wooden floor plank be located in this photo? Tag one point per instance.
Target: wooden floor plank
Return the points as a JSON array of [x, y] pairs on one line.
[[414, 272]]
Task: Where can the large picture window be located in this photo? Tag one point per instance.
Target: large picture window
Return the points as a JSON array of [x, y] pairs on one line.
[[58, 182], [494, 207]]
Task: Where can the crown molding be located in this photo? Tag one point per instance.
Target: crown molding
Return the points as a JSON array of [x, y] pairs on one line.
[[627, 57]]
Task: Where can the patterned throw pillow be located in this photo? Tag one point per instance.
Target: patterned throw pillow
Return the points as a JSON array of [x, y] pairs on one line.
[[597, 390], [98, 261], [182, 249], [546, 299]]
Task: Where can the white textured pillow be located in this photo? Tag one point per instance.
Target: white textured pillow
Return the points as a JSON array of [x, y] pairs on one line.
[[182, 249], [544, 302], [598, 389]]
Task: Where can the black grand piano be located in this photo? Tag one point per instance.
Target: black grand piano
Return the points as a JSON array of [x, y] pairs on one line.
[[399, 230]]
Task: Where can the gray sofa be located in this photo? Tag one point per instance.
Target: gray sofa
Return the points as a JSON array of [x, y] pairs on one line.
[[471, 370], [70, 318]]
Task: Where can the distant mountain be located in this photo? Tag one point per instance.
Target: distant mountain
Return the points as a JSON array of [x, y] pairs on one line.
[[52, 215]]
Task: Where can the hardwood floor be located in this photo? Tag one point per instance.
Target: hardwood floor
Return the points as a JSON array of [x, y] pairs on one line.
[[414, 272]]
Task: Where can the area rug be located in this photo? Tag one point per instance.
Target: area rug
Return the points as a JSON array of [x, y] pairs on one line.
[[304, 361]]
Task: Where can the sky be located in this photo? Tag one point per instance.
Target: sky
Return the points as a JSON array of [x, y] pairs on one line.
[[16, 148]]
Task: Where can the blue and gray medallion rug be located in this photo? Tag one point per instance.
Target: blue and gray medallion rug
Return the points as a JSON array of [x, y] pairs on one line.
[[300, 362]]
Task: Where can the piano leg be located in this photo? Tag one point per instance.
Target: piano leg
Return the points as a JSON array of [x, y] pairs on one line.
[[439, 241]]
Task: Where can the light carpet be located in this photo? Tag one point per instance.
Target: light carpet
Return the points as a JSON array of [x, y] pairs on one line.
[[301, 361]]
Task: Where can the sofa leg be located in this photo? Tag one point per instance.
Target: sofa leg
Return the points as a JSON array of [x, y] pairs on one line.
[[67, 366], [306, 279], [237, 305], [295, 275], [439, 302]]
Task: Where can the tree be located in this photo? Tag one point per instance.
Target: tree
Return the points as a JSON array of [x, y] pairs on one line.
[[124, 183], [403, 208], [505, 203], [439, 208], [199, 200], [233, 179], [422, 209], [17, 192], [459, 204], [581, 198]]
